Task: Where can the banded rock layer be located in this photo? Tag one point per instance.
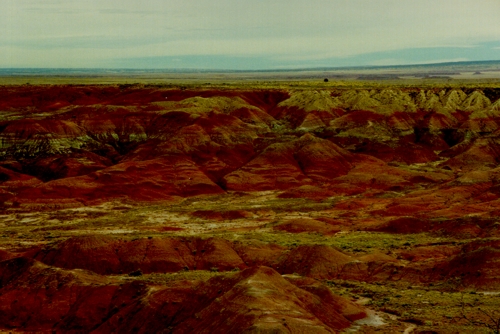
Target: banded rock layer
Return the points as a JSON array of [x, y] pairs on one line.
[[77, 140]]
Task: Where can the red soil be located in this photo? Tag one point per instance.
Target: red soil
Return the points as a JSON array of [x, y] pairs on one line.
[[324, 262], [314, 261], [312, 192], [477, 268], [401, 166], [105, 255], [222, 215], [306, 225], [151, 180], [257, 298], [88, 133]]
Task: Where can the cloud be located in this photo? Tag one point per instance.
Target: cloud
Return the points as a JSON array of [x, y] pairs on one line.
[[92, 31]]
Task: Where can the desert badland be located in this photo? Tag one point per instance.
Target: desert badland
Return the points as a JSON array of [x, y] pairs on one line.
[[227, 208]]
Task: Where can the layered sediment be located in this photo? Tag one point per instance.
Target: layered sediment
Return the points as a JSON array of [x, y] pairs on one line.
[[147, 209]]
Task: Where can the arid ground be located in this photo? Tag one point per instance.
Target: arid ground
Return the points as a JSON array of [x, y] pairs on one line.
[[250, 208]]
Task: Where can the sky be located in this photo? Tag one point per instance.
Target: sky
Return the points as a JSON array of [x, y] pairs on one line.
[[245, 34]]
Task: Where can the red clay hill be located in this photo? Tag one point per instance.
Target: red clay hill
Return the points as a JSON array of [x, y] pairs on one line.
[[70, 146], [132, 208]]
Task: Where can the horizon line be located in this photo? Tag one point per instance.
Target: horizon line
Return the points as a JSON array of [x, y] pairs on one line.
[[208, 70]]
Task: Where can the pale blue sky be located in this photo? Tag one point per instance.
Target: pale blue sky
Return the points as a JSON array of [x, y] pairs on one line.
[[245, 34]]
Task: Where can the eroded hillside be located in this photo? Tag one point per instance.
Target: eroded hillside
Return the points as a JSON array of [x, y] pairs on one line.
[[147, 209]]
